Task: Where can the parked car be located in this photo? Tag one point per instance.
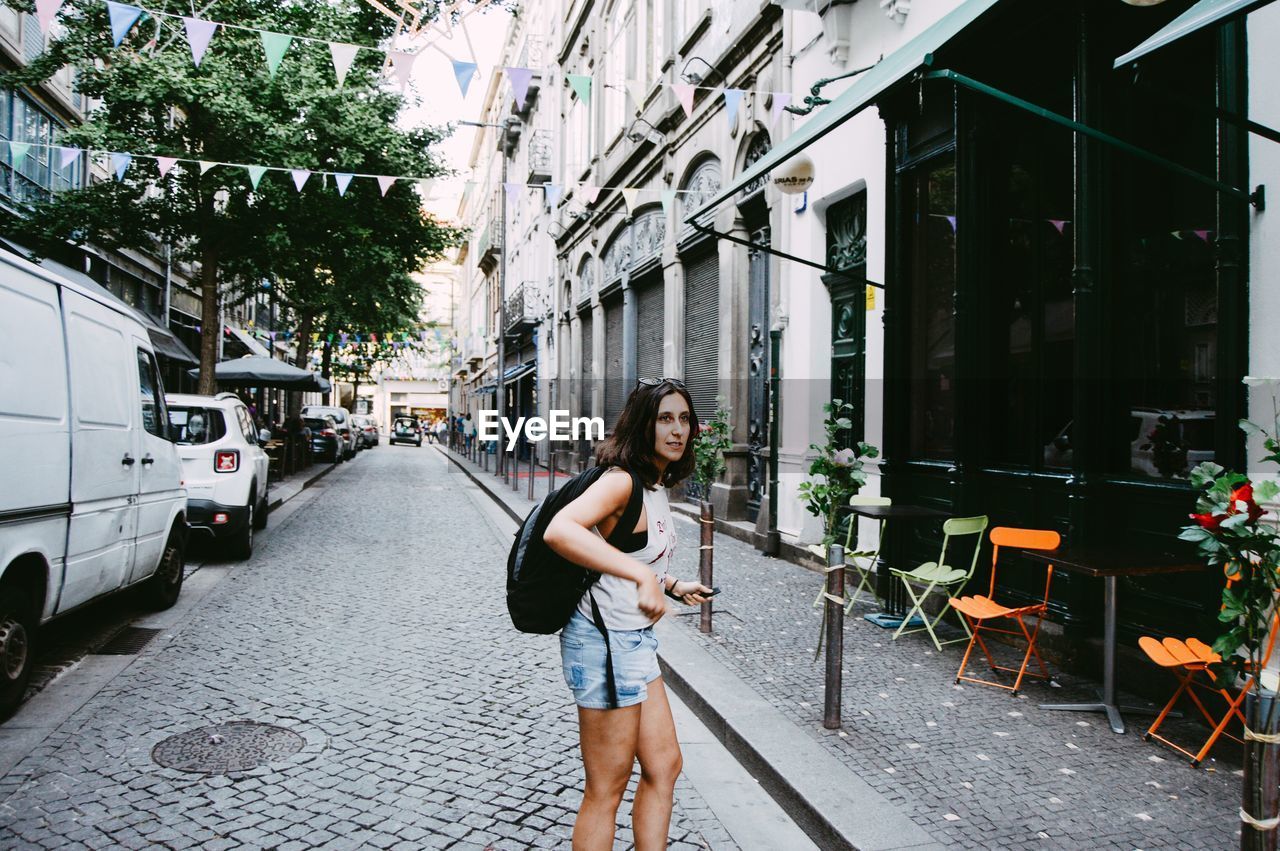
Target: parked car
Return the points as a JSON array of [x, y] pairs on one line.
[[405, 430], [223, 466], [342, 420], [367, 428], [92, 501], [326, 441], [1162, 443]]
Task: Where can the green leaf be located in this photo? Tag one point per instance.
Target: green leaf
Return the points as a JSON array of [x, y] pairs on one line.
[[1266, 491], [1251, 429], [1193, 533]]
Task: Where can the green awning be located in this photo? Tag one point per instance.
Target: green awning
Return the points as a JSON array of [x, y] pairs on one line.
[[913, 55], [1202, 14]]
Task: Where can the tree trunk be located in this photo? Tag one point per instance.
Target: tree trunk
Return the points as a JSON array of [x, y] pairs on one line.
[[306, 323], [326, 369], [1261, 771], [355, 393], [210, 320]]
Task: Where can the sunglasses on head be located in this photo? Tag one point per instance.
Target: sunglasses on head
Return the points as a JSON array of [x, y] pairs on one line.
[[654, 382]]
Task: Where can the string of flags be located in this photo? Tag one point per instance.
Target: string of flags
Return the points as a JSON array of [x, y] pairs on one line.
[[394, 339]]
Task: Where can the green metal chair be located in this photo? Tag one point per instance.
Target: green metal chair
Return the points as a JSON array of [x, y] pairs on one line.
[[863, 562], [941, 577]]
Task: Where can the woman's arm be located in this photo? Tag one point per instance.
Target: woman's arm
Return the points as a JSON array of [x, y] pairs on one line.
[[570, 535]]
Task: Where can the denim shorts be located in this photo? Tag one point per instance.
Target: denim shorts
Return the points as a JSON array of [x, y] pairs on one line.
[[582, 654]]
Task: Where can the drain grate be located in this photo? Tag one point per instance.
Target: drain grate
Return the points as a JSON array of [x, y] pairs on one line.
[[223, 748], [127, 641]]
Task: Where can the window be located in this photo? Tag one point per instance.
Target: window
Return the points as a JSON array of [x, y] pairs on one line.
[[196, 426], [151, 395], [655, 39], [618, 61]]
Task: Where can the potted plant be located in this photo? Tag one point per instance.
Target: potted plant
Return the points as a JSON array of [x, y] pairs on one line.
[[708, 453], [1231, 529], [840, 468]]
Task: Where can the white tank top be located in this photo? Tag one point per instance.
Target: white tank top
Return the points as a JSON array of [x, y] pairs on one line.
[[618, 598]]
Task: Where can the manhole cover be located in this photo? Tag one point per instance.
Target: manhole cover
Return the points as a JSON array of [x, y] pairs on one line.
[[222, 748]]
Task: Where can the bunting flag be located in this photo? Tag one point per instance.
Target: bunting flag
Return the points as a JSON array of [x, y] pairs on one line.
[[46, 11], [69, 155], [402, 67], [205, 165], [463, 72], [255, 173], [519, 78], [1202, 234], [385, 183], [781, 100], [513, 191], [342, 180], [635, 88], [1058, 224], [343, 55], [629, 196], [732, 99], [951, 220], [300, 176], [18, 152], [668, 202], [343, 337], [684, 93], [123, 17], [552, 192], [199, 34], [589, 193], [581, 85], [274, 46], [119, 163], [165, 163]]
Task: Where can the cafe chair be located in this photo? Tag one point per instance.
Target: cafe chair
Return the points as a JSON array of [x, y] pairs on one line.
[[940, 577], [983, 613], [863, 562]]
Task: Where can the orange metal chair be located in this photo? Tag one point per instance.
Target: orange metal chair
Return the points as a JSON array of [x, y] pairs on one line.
[[981, 612], [1189, 661]]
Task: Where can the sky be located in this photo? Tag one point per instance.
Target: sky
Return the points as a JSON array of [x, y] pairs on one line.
[[478, 39]]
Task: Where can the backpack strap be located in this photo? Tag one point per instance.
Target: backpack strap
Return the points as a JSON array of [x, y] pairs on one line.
[[625, 524]]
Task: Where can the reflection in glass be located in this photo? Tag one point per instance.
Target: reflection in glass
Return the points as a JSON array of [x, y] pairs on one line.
[[931, 224]]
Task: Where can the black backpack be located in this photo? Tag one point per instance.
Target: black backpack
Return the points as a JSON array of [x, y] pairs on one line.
[[543, 587]]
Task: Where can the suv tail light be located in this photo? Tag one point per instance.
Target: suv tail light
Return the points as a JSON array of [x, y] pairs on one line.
[[329, 433], [226, 461]]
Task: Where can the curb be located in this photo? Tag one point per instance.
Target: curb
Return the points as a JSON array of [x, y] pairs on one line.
[[273, 504], [835, 807]]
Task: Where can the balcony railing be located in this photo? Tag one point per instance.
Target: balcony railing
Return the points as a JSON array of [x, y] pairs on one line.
[[523, 308], [540, 157]]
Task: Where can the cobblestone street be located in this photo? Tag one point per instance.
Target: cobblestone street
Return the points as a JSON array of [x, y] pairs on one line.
[[371, 623]]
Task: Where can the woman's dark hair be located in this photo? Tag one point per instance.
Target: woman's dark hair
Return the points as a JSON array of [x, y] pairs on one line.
[[631, 446]]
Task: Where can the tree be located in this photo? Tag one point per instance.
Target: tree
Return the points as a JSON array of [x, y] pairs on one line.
[[323, 248]]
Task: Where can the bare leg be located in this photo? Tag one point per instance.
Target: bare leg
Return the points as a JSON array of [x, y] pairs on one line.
[[608, 739], [660, 764]]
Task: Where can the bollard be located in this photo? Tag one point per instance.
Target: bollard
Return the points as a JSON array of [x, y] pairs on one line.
[[705, 543], [834, 617], [551, 471], [533, 468]]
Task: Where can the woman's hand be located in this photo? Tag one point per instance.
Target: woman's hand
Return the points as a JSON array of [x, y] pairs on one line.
[[650, 595], [691, 593]]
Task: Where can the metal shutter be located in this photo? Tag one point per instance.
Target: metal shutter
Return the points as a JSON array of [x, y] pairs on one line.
[[615, 394], [585, 380], [650, 316], [701, 332]]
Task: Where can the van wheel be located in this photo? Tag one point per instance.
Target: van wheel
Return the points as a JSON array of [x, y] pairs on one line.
[[241, 546], [17, 631], [162, 589]]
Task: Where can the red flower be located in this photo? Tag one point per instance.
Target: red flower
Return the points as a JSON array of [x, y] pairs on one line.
[[1208, 521], [1244, 494]]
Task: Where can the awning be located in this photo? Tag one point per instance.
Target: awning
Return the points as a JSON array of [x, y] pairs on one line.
[[254, 347], [518, 371], [912, 56], [169, 346], [1201, 15], [487, 390]]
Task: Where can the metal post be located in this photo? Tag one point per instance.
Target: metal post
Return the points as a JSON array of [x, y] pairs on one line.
[[533, 469], [515, 467], [706, 540], [773, 539], [834, 604], [551, 470], [502, 292]]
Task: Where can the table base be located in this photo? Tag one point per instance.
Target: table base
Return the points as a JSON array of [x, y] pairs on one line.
[[885, 620], [1112, 711]]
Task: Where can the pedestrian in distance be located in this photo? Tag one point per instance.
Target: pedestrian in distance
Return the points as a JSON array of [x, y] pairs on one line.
[[442, 431], [469, 426], [653, 441], [430, 432]]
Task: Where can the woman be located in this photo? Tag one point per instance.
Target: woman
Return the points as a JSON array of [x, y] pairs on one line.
[[653, 440]]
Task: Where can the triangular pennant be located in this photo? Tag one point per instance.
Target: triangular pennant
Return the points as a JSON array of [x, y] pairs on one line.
[[46, 11], [513, 191], [1058, 224], [300, 176], [69, 155], [635, 88], [402, 67], [385, 183], [343, 181], [519, 78], [427, 184], [552, 191], [951, 220], [1176, 234], [343, 55], [732, 99], [590, 193], [205, 165], [18, 153], [123, 17], [275, 45], [629, 195], [581, 85], [255, 173], [684, 93], [120, 162], [1203, 234], [463, 72], [781, 100], [199, 34], [166, 163], [668, 202]]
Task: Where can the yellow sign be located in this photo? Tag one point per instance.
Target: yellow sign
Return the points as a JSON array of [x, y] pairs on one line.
[[871, 297]]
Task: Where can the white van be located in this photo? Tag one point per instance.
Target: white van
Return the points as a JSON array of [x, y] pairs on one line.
[[92, 499]]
